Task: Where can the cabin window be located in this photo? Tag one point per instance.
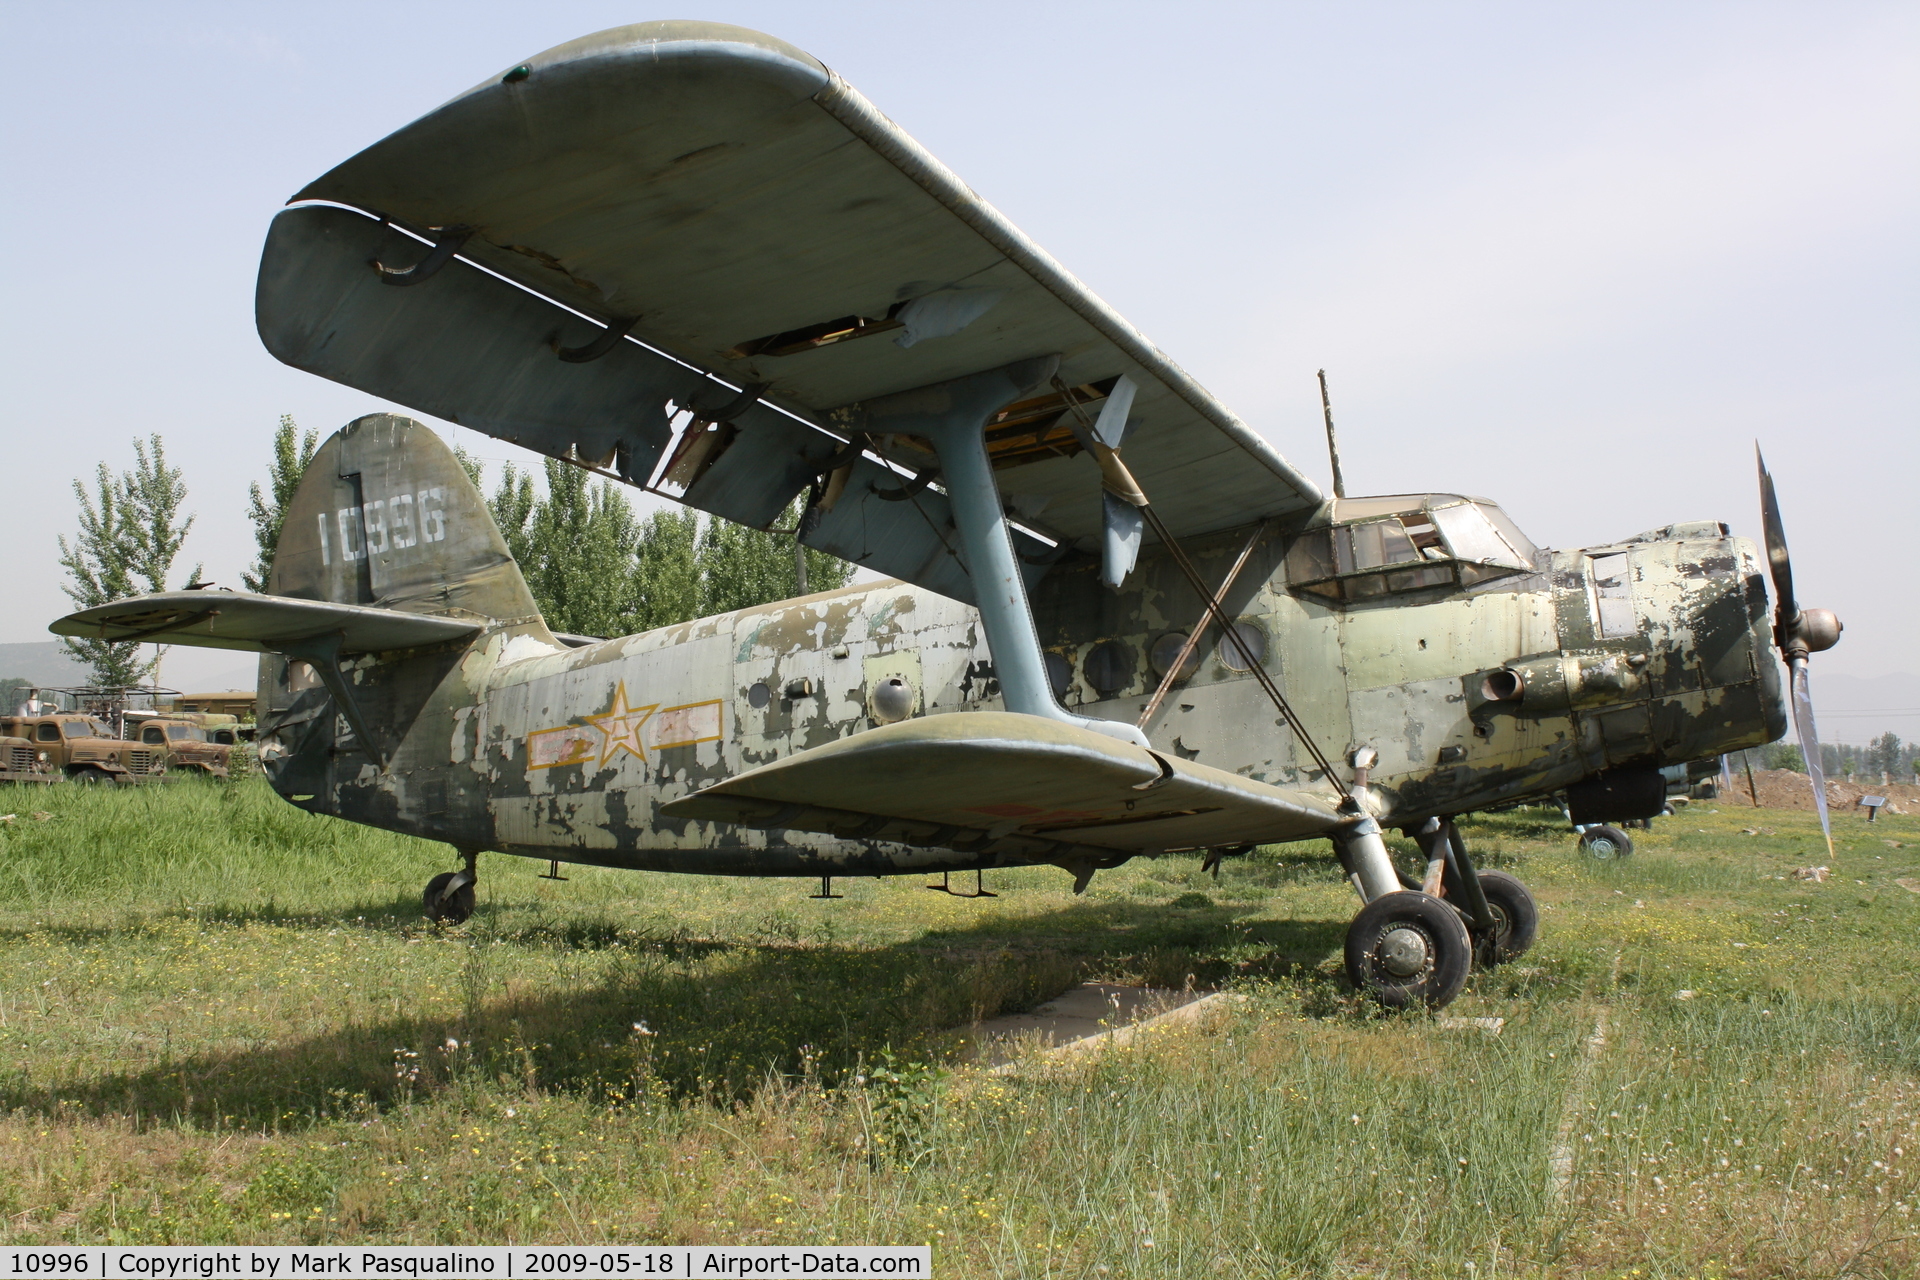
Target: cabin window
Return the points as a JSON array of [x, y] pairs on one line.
[[1252, 644], [46, 733], [152, 734], [1108, 667], [1460, 542]]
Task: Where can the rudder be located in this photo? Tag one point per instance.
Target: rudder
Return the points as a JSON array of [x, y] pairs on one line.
[[386, 516]]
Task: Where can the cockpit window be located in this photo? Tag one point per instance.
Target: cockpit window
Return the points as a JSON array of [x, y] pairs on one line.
[[1442, 541], [1473, 536]]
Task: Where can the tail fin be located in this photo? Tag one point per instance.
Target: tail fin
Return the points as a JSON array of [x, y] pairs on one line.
[[386, 516]]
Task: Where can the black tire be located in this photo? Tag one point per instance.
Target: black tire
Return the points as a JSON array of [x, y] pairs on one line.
[[444, 907], [1605, 843], [1516, 917], [1408, 948], [93, 777]]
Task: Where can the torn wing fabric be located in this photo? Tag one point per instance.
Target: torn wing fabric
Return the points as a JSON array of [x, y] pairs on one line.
[[1120, 540], [728, 201]]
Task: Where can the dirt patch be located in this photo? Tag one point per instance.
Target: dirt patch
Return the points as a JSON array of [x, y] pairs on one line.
[[1785, 789]]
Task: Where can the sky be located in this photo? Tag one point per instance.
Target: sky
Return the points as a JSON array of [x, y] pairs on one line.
[[1575, 258]]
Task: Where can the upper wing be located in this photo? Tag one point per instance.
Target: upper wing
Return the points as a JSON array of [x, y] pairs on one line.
[[1002, 783], [767, 225], [257, 624]]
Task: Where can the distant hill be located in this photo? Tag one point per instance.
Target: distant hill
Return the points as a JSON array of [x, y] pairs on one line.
[[41, 662]]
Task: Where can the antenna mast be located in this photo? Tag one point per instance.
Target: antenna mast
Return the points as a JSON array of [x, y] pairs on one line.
[[1333, 445]]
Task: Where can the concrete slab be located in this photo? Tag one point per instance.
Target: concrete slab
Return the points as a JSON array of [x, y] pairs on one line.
[[1090, 1012]]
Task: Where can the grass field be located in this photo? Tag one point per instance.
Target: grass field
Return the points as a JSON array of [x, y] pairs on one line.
[[223, 1020]]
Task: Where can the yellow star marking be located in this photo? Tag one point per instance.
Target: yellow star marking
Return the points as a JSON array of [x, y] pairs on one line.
[[620, 726]]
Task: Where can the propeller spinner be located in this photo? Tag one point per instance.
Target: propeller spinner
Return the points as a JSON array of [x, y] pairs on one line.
[[1799, 633]]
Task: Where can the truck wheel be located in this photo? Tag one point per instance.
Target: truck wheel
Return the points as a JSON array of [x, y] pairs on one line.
[[92, 777]]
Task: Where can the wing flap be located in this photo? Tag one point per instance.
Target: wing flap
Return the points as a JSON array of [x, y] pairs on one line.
[[1012, 784], [258, 624]]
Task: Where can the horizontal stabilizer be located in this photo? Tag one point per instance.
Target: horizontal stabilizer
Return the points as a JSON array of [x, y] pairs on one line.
[[1020, 787], [258, 624]]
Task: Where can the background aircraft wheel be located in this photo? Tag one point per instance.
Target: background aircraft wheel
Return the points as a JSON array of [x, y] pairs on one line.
[[1516, 918], [1407, 948], [1605, 842], [447, 908]]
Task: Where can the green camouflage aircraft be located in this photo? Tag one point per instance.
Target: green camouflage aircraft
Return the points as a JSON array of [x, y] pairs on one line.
[[691, 258]]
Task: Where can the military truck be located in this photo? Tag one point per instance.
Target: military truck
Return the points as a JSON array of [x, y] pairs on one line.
[[74, 745], [219, 727]]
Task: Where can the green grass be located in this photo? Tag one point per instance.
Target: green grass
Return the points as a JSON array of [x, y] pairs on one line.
[[223, 1020]]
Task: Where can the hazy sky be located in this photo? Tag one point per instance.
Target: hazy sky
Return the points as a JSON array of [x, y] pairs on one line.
[[1572, 257]]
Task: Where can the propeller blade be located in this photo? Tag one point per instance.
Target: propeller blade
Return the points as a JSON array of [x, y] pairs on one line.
[[1810, 746], [1777, 558]]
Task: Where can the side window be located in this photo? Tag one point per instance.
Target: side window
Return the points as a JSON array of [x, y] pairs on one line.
[[152, 733], [1612, 596], [46, 733]]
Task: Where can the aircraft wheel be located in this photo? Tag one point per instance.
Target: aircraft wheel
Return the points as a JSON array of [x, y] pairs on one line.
[[444, 906], [1516, 918], [1604, 843], [1408, 948]]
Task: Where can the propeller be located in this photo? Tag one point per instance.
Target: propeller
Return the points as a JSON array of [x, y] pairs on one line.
[[1799, 633]]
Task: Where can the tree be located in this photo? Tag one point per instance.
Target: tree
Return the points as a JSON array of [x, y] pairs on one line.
[[130, 532], [585, 539], [595, 568], [512, 507], [744, 567], [667, 569], [1887, 754], [1783, 755], [269, 511]]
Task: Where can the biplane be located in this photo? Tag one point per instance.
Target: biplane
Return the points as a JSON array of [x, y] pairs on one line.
[[1113, 623]]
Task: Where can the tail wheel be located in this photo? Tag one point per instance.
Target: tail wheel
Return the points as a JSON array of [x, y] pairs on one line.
[[446, 902], [1516, 918], [1605, 843], [1408, 948]]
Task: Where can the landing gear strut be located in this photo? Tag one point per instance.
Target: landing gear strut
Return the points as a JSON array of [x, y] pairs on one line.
[[449, 896]]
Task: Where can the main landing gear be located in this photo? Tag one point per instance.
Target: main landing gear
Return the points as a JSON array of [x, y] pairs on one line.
[[448, 898], [1415, 942]]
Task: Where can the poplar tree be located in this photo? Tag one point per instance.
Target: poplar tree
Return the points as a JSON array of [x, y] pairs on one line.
[[292, 451], [595, 568], [131, 529]]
